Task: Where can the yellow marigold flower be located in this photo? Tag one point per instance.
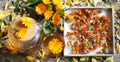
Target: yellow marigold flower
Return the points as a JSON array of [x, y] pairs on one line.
[[40, 8], [48, 14], [46, 1], [56, 2], [27, 22], [56, 19], [58, 7], [55, 46], [21, 33]]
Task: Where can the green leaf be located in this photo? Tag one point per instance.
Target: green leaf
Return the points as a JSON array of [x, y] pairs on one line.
[[16, 3], [46, 30], [50, 6], [62, 21], [92, 5], [68, 59], [10, 17], [60, 12], [32, 2], [4, 23], [31, 8]]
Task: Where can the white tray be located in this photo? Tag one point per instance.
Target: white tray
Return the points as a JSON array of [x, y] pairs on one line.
[[106, 11]]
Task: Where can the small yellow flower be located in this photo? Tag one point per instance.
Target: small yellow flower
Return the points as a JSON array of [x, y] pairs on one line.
[[21, 33], [48, 14], [27, 22], [46, 1], [56, 2], [40, 8], [61, 28], [55, 46], [58, 7], [56, 19]]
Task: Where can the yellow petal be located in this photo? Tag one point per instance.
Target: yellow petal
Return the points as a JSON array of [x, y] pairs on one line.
[[4, 14], [30, 58], [46, 1], [75, 60]]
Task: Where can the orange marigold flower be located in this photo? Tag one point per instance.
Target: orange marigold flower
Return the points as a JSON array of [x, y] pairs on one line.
[[21, 33], [55, 46], [58, 7], [56, 19], [40, 8], [46, 1], [56, 2], [48, 14]]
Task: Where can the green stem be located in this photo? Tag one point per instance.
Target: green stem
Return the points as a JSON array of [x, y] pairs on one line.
[[32, 3]]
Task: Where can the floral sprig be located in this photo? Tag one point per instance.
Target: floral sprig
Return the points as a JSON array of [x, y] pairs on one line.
[[52, 12], [48, 12]]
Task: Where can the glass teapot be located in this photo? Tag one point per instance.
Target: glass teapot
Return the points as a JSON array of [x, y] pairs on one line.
[[29, 41]]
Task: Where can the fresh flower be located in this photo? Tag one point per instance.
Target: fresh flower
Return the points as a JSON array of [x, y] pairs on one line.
[[40, 8], [48, 14], [61, 28], [27, 22], [46, 1], [55, 46], [21, 33], [56, 19], [56, 2], [58, 7]]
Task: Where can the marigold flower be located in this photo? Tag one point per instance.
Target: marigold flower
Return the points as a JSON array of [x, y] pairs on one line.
[[56, 2], [56, 19], [46, 1], [48, 14], [58, 7], [21, 33], [27, 22], [55, 46], [40, 8]]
